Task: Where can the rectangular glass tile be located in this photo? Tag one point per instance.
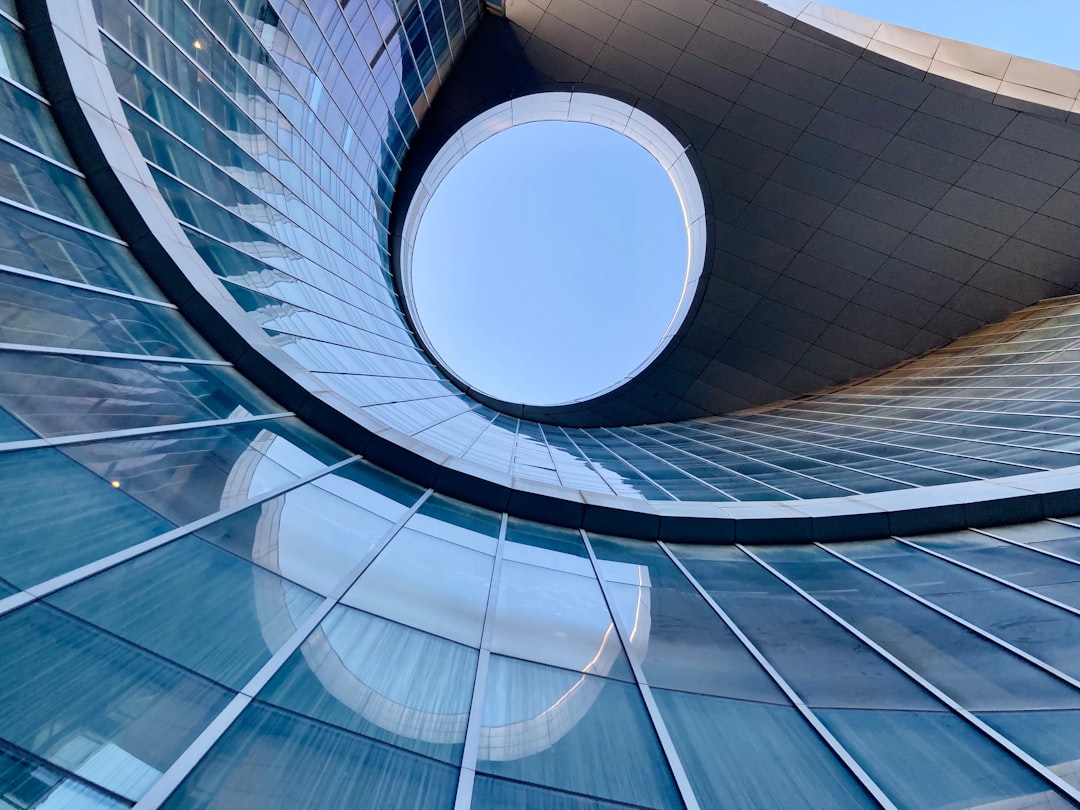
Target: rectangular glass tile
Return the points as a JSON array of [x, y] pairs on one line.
[[741, 754], [94, 705], [194, 604], [270, 759], [383, 680], [573, 732], [59, 516], [27, 784]]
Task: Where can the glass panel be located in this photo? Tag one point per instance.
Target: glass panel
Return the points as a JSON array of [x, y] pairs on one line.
[[33, 243], [549, 546], [1028, 569], [1053, 738], [1047, 535], [26, 784], [490, 793], [574, 732], [821, 660], [14, 60], [36, 183], [977, 673], [269, 759], [1050, 633], [953, 764], [196, 605], [58, 395], [680, 640], [557, 618], [318, 533], [94, 705], [428, 583], [41, 313], [740, 754], [58, 516], [190, 473], [25, 119], [382, 680]]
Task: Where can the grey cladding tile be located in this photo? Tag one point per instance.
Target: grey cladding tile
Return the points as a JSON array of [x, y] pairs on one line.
[[903, 305], [794, 81], [692, 11], [709, 76], [744, 152], [847, 254], [1006, 186], [765, 130], [813, 56], [755, 34], [775, 227], [725, 53], [777, 105], [660, 23], [968, 111], [925, 159], [812, 179], [934, 287], [644, 46], [795, 204], [570, 39], [884, 207], [957, 233], [633, 71], [938, 132], [825, 276], [682, 94], [887, 84], [904, 183], [583, 16], [1053, 234], [1040, 262], [854, 134], [832, 156], [868, 109], [1064, 205], [863, 230], [938, 258], [982, 210], [1029, 161]]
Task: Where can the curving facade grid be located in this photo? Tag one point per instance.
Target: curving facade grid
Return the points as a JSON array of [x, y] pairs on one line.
[[259, 552]]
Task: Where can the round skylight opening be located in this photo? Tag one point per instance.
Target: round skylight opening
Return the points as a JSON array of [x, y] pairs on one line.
[[553, 248]]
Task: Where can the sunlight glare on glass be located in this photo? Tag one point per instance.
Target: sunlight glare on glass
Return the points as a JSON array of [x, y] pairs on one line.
[[550, 262]]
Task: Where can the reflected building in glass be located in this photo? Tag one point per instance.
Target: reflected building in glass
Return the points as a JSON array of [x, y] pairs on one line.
[[260, 551]]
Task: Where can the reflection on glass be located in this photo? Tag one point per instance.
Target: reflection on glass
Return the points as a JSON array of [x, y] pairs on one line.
[[194, 604], [428, 583], [574, 732], [382, 680], [58, 516], [273, 760], [318, 533], [935, 760], [680, 640], [742, 754], [26, 784], [94, 705], [556, 618]]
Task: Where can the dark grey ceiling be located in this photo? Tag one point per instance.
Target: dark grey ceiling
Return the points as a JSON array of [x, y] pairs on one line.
[[862, 211]]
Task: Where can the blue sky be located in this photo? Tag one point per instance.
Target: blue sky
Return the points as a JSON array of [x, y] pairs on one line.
[[549, 262], [551, 258]]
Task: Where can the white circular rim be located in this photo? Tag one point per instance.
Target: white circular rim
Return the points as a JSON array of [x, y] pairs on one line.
[[574, 107]]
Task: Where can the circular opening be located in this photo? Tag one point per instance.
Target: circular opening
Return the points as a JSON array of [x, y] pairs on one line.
[[553, 248]]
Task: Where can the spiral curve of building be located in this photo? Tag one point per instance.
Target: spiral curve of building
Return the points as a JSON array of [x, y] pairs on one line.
[[261, 550]]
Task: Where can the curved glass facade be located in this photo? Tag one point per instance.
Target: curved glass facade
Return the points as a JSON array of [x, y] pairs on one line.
[[204, 602]]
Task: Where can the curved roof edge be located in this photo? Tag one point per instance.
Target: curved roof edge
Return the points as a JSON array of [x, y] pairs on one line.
[[999, 73], [70, 62]]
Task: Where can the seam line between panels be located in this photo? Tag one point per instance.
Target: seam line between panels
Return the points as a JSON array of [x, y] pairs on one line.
[[1051, 779], [834, 744], [49, 586], [985, 634], [667, 744], [471, 746], [152, 358], [1011, 585], [17, 271], [169, 781], [1030, 546], [79, 438]]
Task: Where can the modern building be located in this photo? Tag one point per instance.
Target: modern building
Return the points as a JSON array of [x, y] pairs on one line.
[[261, 550]]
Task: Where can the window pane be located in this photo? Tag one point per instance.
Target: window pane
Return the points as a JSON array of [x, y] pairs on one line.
[[382, 680], [271, 760]]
